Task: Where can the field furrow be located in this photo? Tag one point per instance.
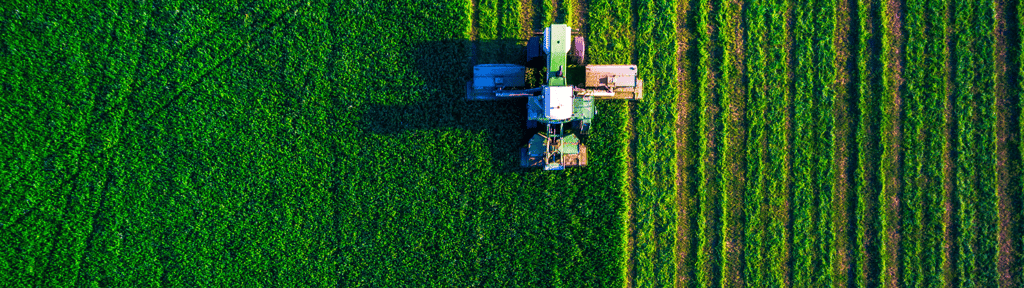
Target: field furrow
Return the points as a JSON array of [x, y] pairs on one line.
[[1007, 155], [686, 146], [890, 201], [950, 228], [844, 146]]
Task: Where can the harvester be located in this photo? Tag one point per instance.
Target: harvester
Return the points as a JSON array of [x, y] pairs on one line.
[[563, 110]]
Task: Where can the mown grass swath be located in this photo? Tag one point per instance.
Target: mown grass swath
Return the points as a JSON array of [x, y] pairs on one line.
[[922, 178], [732, 88], [867, 182], [812, 147], [566, 9], [656, 215], [780, 82], [709, 219], [607, 45], [656, 200], [755, 202], [890, 200], [824, 100], [548, 12], [975, 173], [686, 145], [510, 29]]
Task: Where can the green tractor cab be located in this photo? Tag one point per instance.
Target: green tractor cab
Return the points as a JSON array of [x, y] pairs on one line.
[[563, 109]]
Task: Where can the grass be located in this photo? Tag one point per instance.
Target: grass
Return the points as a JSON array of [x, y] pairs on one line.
[[922, 257], [755, 200], [779, 82], [867, 181], [976, 147], [655, 143], [709, 196], [271, 143], [281, 144]]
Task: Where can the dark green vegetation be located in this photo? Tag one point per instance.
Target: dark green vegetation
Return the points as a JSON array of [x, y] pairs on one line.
[[276, 143], [780, 143]]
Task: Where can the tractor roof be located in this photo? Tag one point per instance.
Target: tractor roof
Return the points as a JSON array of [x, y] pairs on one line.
[[558, 102]]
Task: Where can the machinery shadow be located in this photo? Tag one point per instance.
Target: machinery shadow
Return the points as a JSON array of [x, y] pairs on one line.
[[445, 70]]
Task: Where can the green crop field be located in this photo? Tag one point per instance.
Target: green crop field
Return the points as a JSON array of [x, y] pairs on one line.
[[780, 143]]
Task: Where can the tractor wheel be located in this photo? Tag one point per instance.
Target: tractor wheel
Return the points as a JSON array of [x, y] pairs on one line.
[[578, 50], [534, 53]]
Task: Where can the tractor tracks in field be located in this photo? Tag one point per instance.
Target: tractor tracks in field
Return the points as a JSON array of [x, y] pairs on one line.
[[133, 97]]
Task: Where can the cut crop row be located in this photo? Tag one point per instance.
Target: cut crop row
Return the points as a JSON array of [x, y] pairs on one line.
[[922, 142], [611, 36], [656, 215], [732, 168], [709, 227], [813, 104], [867, 181], [779, 80], [975, 180], [607, 44], [756, 207], [844, 147]]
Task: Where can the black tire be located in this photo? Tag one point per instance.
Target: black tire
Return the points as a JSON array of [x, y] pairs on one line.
[[578, 50], [534, 53]]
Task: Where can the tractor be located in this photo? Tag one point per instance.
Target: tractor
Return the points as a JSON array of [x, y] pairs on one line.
[[561, 109]]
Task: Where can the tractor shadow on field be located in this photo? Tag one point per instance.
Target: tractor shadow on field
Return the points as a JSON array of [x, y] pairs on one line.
[[445, 69]]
